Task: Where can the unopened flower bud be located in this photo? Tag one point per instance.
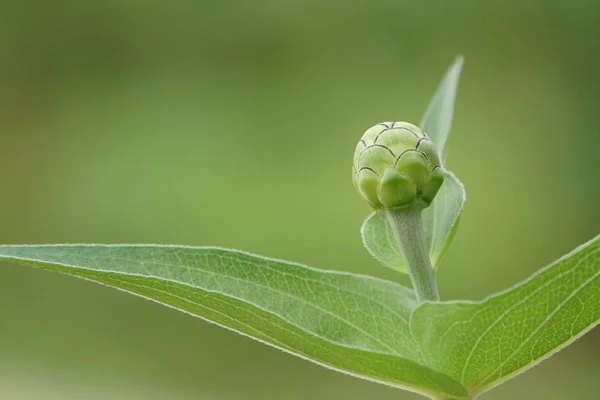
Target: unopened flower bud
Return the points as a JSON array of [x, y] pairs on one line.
[[395, 166]]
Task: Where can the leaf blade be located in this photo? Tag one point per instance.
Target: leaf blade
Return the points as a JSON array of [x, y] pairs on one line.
[[437, 120], [353, 324], [440, 220], [378, 239], [482, 344]]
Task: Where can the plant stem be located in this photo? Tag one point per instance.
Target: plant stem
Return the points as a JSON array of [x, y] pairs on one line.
[[408, 230]]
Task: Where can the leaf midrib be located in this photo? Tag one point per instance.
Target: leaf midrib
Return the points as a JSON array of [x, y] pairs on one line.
[[263, 286], [278, 343], [556, 310], [391, 350], [498, 320], [106, 276], [246, 262]]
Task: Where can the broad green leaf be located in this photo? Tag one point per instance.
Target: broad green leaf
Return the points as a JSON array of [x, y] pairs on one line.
[[481, 344], [358, 325], [350, 323], [440, 221], [437, 120]]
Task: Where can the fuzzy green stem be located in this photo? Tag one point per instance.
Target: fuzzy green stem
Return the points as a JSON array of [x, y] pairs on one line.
[[408, 230]]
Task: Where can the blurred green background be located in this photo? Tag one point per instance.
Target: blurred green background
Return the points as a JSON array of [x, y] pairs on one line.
[[233, 123]]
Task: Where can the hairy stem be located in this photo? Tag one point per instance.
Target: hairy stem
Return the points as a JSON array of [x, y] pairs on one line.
[[408, 230]]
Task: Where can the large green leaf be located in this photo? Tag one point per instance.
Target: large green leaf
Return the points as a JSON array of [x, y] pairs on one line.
[[354, 324], [482, 344], [440, 219]]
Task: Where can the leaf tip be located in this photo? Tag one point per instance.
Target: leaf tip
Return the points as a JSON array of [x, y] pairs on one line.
[[459, 60]]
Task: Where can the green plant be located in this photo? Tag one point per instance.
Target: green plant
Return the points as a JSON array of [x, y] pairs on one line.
[[366, 327]]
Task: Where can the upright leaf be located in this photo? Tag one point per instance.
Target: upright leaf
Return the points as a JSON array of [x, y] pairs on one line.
[[437, 120], [350, 323], [440, 220], [481, 344]]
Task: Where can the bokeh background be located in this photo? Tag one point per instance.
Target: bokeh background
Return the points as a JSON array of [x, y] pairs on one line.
[[233, 123]]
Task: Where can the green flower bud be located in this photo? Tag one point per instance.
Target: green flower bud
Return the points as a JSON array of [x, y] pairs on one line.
[[395, 166]]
